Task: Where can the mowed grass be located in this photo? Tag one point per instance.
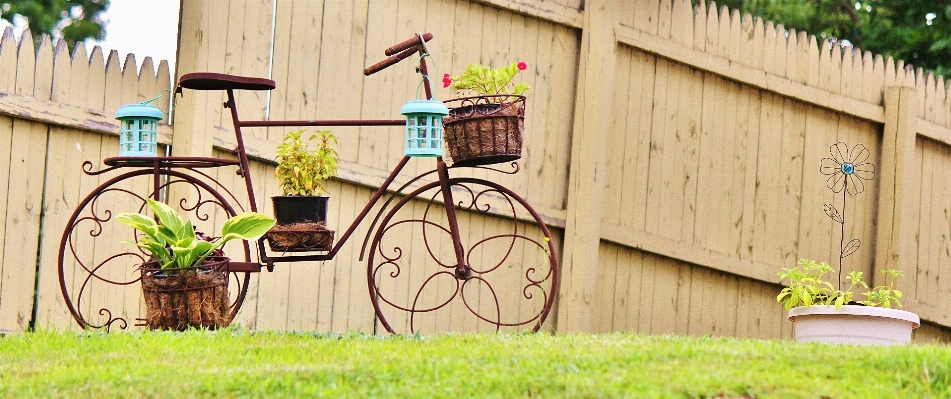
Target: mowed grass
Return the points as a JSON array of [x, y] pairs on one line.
[[239, 363]]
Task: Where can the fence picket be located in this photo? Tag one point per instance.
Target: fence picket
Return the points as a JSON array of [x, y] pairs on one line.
[[23, 196]]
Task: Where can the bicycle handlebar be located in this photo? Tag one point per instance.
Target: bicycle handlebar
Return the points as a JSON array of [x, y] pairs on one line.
[[389, 61], [408, 43], [399, 52]]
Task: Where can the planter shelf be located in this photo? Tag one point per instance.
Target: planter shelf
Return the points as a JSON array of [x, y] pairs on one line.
[[853, 324], [300, 237]]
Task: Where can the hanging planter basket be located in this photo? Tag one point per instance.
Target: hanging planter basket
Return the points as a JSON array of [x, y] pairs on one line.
[[176, 299], [485, 130]]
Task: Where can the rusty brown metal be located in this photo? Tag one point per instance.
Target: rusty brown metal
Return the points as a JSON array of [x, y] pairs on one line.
[[399, 52], [462, 270], [221, 81], [93, 215], [245, 171], [387, 266], [246, 267], [411, 42], [329, 122], [388, 62]]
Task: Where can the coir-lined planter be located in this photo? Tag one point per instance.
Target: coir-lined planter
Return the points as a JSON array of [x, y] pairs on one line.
[[176, 299], [485, 130], [853, 324], [301, 224]]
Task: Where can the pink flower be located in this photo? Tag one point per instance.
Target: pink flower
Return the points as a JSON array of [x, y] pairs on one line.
[[446, 81], [522, 66]]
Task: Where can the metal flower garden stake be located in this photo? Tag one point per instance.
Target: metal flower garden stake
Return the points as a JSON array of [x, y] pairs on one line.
[[846, 170]]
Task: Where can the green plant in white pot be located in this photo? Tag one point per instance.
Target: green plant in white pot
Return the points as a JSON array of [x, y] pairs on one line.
[[824, 312], [185, 282]]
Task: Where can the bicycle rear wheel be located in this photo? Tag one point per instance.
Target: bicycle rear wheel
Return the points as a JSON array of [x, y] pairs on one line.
[[98, 264], [508, 250]]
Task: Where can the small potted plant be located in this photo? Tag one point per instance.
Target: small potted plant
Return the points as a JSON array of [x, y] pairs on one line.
[[185, 281], [303, 172], [825, 312], [487, 127]]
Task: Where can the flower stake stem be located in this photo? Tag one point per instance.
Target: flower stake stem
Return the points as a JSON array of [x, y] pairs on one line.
[[843, 167]]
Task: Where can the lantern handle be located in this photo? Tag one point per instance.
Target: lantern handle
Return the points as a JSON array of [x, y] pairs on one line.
[[174, 103]]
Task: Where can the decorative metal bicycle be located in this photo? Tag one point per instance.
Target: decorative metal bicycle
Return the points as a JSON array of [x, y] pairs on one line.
[[420, 260]]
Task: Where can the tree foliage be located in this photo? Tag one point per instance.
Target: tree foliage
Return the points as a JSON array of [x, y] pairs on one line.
[[916, 31], [70, 20]]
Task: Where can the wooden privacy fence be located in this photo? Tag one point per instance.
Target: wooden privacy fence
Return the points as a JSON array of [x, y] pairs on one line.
[[674, 151], [56, 110]]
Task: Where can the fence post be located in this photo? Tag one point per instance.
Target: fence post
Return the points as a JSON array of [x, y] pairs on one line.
[[894, 237], [577, 291], [192, 136]]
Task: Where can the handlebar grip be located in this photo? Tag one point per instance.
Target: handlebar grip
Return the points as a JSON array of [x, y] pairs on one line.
[[389, 61], [408, 43]]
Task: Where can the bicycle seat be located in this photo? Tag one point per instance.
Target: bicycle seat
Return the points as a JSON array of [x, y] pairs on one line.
[[221, 81]]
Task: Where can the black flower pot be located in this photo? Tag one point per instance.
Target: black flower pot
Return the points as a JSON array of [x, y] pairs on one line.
[[300, 209]]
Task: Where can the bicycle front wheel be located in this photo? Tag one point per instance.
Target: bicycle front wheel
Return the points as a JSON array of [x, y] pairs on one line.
[[506, 250]]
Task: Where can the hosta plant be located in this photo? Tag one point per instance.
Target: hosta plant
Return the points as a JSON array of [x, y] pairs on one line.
[[172, 241], [303, 171]]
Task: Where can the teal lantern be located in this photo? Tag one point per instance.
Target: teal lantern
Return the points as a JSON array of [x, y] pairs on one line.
[[138, 133], [424, 127]]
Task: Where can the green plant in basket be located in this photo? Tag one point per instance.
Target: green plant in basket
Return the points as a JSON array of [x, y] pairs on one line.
[[483, 80], [172, 241], [302, 171]]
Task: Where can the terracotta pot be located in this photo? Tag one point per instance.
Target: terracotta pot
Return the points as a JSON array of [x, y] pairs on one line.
[[853, 324]]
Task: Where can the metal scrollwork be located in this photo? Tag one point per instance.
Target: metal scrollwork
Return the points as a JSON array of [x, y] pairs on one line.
[[98, 265], [416, 287]]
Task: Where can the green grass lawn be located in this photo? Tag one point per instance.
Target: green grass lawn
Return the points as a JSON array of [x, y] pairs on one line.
[[239, 363]]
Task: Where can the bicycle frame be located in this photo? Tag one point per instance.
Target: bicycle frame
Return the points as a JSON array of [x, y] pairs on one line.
[[505, 243], [405, 50]]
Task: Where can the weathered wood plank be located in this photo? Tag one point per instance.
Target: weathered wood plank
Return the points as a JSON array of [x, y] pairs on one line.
[[896, 184], [548, 11], [749, 76], [586, 181], [692, 254], [67, 115], [21, 233]]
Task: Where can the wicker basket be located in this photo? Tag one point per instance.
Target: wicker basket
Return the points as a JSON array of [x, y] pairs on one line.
[[485, 130], [300, 237], [176, 299]]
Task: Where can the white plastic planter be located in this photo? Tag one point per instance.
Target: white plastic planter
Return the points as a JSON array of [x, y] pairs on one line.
[[853, 324]]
